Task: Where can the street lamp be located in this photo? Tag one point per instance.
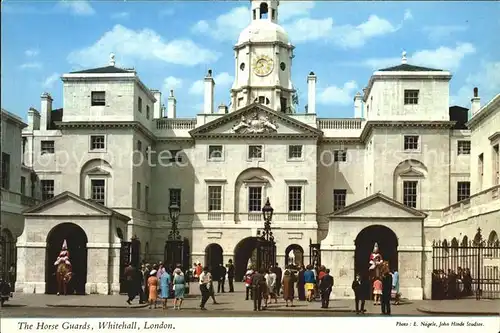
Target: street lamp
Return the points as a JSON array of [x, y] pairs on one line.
[[266, 247], [174, 245]]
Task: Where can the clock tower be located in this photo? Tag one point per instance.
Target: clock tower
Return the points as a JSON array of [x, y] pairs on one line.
[[263, 61]]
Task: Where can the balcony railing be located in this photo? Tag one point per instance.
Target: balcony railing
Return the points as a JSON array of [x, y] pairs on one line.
[[9, 197], [176, 124], [478, 199], [254, 217], [341, 124]]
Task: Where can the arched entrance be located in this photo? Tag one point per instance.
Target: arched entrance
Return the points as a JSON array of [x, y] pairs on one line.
[[388, 247], [245, 252], [77, 248], [213, 256], [294, 256], [8, 253]]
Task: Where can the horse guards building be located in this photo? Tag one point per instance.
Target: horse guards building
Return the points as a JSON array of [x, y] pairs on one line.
[[405, 171]]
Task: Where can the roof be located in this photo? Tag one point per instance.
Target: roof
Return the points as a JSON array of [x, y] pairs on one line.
[[67, 194], [103, 70], [417, 213], [409, 68]]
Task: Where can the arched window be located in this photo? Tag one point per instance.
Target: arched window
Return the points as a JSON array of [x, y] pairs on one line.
[[262, 100]]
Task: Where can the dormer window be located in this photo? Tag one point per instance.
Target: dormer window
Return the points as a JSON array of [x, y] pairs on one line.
[[262, 100]]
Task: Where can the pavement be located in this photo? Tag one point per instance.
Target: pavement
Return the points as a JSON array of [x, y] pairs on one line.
[[230, 304]]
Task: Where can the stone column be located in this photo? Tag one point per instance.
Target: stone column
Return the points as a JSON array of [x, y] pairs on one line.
[[98, 269], [340, 260], [30, 268], [114, 270]]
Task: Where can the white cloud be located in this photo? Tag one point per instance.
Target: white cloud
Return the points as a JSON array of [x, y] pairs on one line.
[[223, 80], [31, 52], [334, 95], [171, 83], [130, 45], [345, 36], [292, 9], [78, 7], [50, 80], [439, 32], [31, 65], [487, 79], [408, 15], [444, 57], [120, 15], [226, 26]]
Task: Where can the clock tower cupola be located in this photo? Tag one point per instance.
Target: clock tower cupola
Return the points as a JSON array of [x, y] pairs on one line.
[[263, 61]]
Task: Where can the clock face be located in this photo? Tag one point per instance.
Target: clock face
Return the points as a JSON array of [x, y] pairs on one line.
[[263, 66]]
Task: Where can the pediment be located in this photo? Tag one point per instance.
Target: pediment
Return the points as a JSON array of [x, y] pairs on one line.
[[255, 180], [97, 171], [378, 206], [70, 204], [411, 172], [255, 120]]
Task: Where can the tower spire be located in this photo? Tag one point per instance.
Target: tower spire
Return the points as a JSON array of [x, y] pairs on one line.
[[265, 10]]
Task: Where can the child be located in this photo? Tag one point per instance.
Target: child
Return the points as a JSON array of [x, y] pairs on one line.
[[377, 291]]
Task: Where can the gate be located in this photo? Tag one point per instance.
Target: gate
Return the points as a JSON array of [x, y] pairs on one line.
[[467, 269], [314, 254], [124, 260]]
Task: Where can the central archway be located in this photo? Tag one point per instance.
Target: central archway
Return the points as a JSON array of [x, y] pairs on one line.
[[294, 256], [213, 256], [388, 247], [77, 240], [244, 252]]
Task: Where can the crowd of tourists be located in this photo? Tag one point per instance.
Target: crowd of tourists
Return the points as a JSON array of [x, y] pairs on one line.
[[451, 284]]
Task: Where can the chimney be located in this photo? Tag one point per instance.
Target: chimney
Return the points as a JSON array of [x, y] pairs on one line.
[[358, 105], [311, 93], [157, 114], [222, 108], [33, 120], [171, 105], [475, 102], [46, 111], [208, 102]]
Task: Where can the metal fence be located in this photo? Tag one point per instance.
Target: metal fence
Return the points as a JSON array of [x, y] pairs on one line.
[[467, 269]]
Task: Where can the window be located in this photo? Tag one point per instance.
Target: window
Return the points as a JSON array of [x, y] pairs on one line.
[[175, 197], [139, 104], [294, 152], [262, 100], [254, 152], [463, 147], [339, 197], [215, 153], [410, 193], [240, 101], [5, 171], [294, 198], [23, 185], [47, 189], [47, 147], [146, 198], [139, 145], [480, 164], [411, 97], [175, 156], [97, 142], [339, 156], [215, 198], [98, 98], [411, 142], [138, 194], [147, 111], [98, 191], [496, 166], [254, 199], [463, 190]]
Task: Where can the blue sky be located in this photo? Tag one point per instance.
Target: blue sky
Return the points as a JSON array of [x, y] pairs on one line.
[[172, 44]]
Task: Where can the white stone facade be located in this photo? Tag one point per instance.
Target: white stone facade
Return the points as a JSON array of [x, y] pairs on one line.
[[225, 162]]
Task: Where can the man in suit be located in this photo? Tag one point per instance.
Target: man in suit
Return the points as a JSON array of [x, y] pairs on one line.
[[325, 287], [230, 275], [258, 288], [222, 278], [279, 276]]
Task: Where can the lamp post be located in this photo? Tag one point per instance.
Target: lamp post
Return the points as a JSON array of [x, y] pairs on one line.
[[266, 247], [174, 245]]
